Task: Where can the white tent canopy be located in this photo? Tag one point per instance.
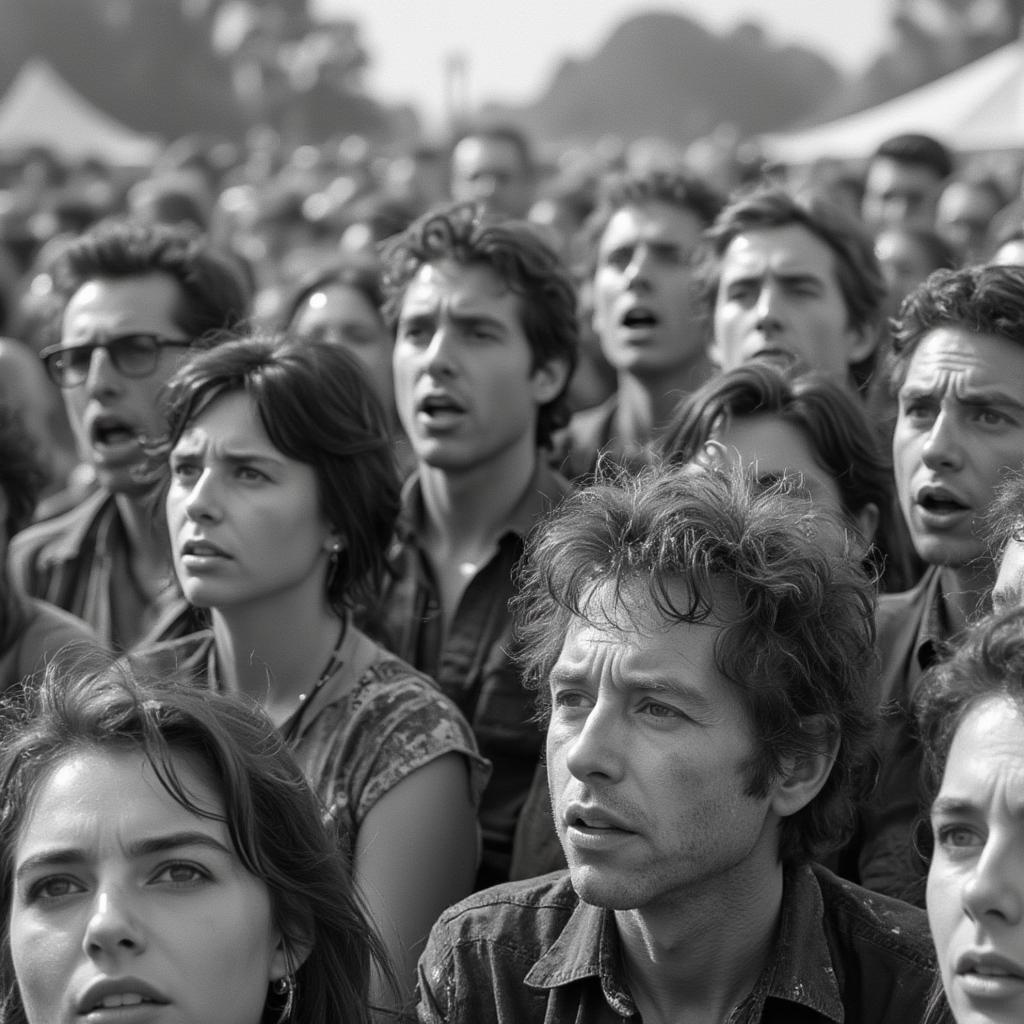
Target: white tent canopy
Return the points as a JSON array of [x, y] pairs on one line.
[[41, 109], [977, 108]]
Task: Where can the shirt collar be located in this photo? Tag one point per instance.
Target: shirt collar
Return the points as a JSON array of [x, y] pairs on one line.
[[546, 488], [800, 970], [940, 618]]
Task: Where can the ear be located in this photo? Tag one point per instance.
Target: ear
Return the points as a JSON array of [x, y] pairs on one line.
[[548, 380], [334, 543], [801, 779], [862, 341], [867, 523], [288, 957]]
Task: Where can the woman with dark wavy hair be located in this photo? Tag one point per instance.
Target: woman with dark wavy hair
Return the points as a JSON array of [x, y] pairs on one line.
[[281, 499], [162, 858]]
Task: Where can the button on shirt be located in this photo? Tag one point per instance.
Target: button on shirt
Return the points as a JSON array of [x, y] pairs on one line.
[[532, 951]]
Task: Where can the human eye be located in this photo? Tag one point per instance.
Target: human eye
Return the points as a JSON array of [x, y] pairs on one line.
[[740, 291], [989, 417], [183, 468], [180, 874], [249, 473], [619, 258], [53, 888], [957, 838], [414, 331], [660, 711], [916, 408], [670, 255]]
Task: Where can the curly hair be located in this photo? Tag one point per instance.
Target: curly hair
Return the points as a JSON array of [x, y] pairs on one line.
[[858, 273], [272, 816], [317, 406], [796, 616], [215, 293], [515, 252], [989, 662], [985, 299]]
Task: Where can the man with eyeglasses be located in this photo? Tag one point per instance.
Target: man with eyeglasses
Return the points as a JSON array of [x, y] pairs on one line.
[[643, 237], [135, 300]]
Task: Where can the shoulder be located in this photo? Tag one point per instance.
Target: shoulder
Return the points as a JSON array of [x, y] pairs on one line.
[[906, 608], [528, 916], [895, 933], [61, 537]]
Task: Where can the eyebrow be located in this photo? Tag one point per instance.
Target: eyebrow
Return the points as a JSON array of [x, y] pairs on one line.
[[66, 855], [636, 682]]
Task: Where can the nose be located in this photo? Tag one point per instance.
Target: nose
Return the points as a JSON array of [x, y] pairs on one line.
[[596, 752], [941, 448], [201, 503], [440, 354], [767, 309], [113, 928], [992, 890], [103, 377], [638, 268]]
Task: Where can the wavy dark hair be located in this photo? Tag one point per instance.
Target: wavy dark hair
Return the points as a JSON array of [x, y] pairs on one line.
[[858, 272], [796, 635], [317, 406], [272, 816], [985, 299], [518, 256], [215, 292], [832, 421]]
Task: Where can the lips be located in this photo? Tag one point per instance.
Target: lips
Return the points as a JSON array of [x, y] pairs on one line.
[[639, 317], [200, 548], [110, 430], [939, 500], [113, 993], [593, 818], [988, 965]]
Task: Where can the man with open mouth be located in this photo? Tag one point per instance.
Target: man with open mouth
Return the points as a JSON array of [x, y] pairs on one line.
[[135, 300], [958, 375], [702, 650], [643, 237]]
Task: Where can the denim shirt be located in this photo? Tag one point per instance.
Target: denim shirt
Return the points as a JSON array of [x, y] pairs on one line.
[[532, 951], [474, 663]]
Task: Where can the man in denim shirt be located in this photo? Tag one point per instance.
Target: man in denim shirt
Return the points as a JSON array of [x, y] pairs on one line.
[[485, 342], [705, 658]]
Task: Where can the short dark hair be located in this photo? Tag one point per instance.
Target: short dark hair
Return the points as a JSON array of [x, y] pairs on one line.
[[317, 406], [986, 299], [797, 617], [500, 132], [681, 189], [919, 149], [826, 413], [989, 662], [215, 294], [858, 273], [273, 817], [938, 252], [364, 276], [515, 252]]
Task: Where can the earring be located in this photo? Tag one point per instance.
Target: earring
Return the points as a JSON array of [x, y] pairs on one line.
[[285, 987]]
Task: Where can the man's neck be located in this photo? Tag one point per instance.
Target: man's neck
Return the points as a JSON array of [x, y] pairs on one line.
[[147, 541], [968, 589], [646, 404], [697, 958]]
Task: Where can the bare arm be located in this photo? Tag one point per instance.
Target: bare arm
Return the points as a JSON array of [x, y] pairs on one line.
[[416, 854]]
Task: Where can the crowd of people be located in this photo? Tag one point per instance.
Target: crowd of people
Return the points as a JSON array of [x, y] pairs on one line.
[[447, 589]]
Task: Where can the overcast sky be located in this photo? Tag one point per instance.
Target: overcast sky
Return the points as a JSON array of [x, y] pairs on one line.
[[512, 47]]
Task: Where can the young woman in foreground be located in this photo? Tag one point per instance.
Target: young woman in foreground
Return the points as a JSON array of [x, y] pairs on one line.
[[161, 858]]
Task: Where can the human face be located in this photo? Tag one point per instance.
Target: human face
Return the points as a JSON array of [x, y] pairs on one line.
[[899, 193], [125, 899], [643, 289], [112, 414], [341, 314], [975, 892], [904, 265], [647, 752], [1008, 591], [491, 171], [465, 385], [959, 430], [962, 217], [244, 519], [779, 298]]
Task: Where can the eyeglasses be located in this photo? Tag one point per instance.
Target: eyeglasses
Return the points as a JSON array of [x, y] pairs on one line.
[[134, 355]]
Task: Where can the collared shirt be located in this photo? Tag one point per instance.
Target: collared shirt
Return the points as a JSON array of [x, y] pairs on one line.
[[532, 951], [81, 561], [913, 629], [590, 437], [473, 664]]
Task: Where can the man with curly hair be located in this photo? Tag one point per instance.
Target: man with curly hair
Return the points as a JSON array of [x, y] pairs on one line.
[[485, 342], [702, 649]]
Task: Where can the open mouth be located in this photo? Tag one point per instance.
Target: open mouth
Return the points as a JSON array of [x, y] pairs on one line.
[[437, 405], [639, 318], [940, 503], [114, 1002], [111, 431]]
